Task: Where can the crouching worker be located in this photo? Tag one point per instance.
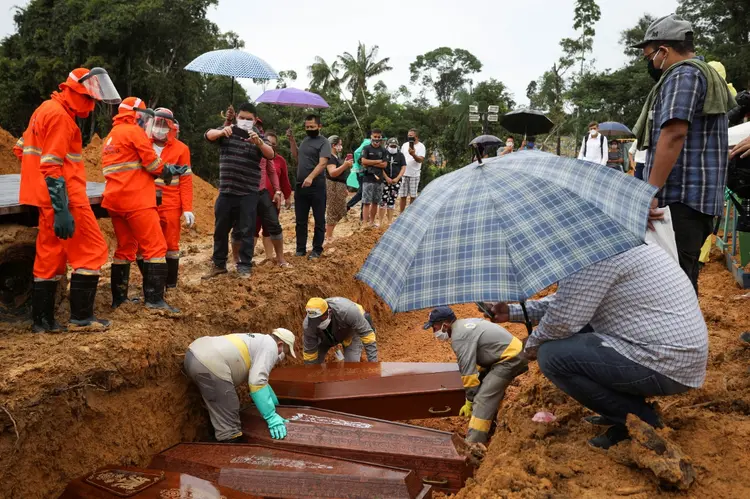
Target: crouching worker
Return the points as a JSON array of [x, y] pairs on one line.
[[488, 359], [338, 321], [218, 364]]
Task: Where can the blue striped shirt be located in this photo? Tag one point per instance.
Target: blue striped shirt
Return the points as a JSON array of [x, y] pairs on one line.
[[699, 174]]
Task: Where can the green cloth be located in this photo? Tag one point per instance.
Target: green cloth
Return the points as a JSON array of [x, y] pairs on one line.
[[718, 99], [357, 168]]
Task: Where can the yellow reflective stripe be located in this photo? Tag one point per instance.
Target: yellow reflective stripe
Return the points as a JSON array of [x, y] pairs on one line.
[[310, 356], [512, 350], [32, 151], [256, 388], [480, 368], [361, 308], [175, 181], [19, 142], [235, 436], [52, 159], [120, 261], [173, 254], [75, 158], [121, 167], [368, 338], [480, 424], [39, 279], [156, 260], [346, 342], [189, 171], [153, 165], [241, 346], [86, 272], [470, 381]]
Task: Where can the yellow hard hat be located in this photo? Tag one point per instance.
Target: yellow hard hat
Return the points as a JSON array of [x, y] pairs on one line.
[[316, 307]]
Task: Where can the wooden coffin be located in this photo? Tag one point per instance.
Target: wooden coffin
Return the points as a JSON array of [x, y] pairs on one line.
[[270, 472], [114, 482], [432, 454], [384, 390]]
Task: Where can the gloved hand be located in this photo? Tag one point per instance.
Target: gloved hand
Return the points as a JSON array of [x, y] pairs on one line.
[[466, 409], [273, 396], [264, 401], [189, 218], [169, 171], [64, 224]]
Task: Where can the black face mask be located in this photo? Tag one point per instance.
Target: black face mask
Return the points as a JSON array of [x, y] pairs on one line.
[[312, 133], [654, 72]]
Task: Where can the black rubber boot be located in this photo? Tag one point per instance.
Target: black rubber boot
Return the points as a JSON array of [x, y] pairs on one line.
[[120, 282], [153, 287], [173, 267], [43, 308], [82, 296]]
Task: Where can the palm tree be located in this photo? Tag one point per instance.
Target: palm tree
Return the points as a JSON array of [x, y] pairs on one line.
[[324, 78], [359, 69]]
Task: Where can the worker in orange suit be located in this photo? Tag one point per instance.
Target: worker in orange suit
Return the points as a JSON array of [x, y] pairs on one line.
[[176, 198], [130, 166], [53, 179]]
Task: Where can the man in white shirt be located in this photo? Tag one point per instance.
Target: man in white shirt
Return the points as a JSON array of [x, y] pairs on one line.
[[637, 157], [414, 151], [594, 147]]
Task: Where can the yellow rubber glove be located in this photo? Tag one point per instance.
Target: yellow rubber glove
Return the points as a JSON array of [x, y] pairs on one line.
[[466, 409]]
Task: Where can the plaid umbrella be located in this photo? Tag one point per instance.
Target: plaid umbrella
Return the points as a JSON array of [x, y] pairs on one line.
[[504, 230], [232, 62]]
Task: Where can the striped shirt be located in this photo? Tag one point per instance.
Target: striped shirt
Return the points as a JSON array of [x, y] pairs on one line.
[[699, 174], [640, 303], [239, 166]]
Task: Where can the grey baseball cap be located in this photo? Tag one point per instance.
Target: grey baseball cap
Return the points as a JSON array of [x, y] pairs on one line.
[[671, 28]]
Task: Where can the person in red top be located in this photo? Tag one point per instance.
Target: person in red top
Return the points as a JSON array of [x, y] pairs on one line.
[[53, 179], [177, 198], [130, 166]]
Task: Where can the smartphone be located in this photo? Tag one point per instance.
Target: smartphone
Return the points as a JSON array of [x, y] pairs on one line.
[[485, 309], [349, 157], [239, 132], [411, 140]]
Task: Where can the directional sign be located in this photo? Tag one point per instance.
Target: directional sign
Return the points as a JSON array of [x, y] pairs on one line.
[[493, 109], [491, 117], [473, 117], [473, 109]]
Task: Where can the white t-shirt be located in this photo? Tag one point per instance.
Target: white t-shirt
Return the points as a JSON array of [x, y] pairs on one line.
[[596, 151], [413, 169], [157, 149], [638, 156]]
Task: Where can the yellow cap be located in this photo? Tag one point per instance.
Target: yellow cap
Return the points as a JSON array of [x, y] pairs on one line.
[[316, 307]]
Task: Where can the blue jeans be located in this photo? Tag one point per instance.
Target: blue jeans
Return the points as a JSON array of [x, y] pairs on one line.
[[603, 380], [639, 170]]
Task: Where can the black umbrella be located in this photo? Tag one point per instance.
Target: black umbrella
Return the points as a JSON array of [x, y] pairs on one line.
[[527, 122], [483, 142]]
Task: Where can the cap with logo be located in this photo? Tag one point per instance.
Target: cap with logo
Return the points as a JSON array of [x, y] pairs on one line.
[[440, 314], [316, 307], [671, 28]]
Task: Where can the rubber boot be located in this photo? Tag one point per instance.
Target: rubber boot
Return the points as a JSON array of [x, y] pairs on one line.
[[82, 296], [173, 267], [43, 308], [153, 287], [120, 282]]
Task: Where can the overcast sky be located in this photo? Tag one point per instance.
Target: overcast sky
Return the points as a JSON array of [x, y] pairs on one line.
[[516, 41]]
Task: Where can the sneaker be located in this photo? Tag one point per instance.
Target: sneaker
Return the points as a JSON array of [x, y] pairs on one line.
[[300, 253], [314, 255], [244, 272], [612, 436], [745, 337], [599, 420], [215, 271]]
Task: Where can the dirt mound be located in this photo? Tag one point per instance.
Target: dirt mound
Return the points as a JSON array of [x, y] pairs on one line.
[[92, 158], [8, 161]]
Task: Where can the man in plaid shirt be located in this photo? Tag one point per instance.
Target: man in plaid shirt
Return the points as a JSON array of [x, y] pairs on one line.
[[688, 137], [649, 339]]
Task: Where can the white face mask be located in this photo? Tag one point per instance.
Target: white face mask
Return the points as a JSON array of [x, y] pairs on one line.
[[282, 356], [442, 335], [246, 125], [393, 150], [593, 133], [509, 144], [325, 323]]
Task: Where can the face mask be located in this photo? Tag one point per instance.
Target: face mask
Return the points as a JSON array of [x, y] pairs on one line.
[[509, 144], [325, 323], [593, 133], [441, 335], [393, 150], [282, 356], [246, 125], [312, 133], [654, 72]]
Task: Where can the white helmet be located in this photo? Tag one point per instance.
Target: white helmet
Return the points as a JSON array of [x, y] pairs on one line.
[[287, 337]]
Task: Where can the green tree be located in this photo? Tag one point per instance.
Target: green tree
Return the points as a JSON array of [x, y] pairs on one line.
[[360, 68], [444, 71]]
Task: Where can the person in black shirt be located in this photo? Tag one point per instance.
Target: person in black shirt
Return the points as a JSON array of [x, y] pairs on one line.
[[373, 161], [394, 171]]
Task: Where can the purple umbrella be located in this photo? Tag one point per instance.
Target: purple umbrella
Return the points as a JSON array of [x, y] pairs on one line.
[[292, 97]]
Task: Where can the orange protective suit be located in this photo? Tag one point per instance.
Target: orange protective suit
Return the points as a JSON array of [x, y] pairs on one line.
[[177, 197], [130, 165], [51, 147]]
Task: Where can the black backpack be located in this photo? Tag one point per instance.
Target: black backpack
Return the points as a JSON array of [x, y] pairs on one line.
[[586, 143]]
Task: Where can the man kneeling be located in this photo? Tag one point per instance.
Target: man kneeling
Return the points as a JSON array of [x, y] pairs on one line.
[[649, 337], [488, 358], [218, 364]]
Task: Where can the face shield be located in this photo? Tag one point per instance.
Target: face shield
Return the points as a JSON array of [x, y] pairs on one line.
[[100, 87], [163, 123], [145, 118]]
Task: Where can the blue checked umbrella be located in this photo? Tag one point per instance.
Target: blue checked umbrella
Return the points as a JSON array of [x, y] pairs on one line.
[[504, 230], [232, 62]]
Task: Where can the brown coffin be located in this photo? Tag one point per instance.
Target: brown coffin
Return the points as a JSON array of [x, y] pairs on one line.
[[270, 472], [384, 390], [431, 453], [114, 482]]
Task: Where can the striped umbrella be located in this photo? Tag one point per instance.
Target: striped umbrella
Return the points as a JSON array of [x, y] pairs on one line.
[[232, 62]]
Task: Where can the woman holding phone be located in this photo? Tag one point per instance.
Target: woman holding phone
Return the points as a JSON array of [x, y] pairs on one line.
[[337, 172]]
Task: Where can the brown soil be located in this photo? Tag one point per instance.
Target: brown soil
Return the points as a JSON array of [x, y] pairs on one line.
[[8, 161]]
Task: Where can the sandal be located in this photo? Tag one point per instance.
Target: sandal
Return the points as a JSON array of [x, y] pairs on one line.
[[286, 265]]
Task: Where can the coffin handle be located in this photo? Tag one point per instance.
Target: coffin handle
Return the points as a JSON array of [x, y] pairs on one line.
[[441, 482], [432, 410]]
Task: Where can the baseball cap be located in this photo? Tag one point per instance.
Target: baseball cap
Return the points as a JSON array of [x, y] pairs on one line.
[[393, 141], [671, 28], [316, 307], [439, 314], [287, 337]]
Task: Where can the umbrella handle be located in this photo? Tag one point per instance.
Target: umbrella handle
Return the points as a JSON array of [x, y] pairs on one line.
[[526, 319]]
